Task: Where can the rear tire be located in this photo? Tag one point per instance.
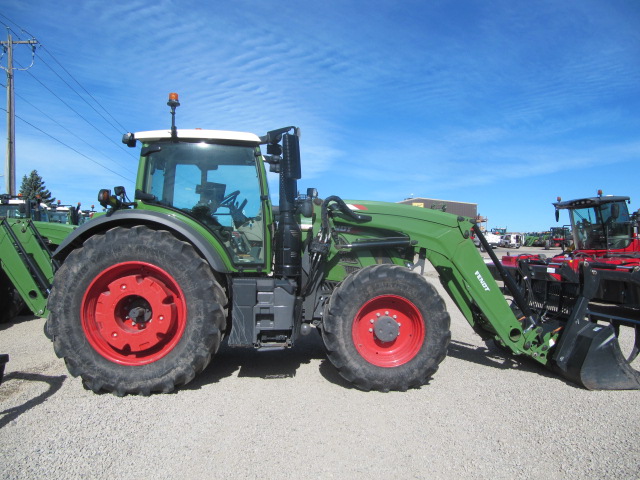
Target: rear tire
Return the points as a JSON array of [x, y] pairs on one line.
[[386, 328], [136, 311]]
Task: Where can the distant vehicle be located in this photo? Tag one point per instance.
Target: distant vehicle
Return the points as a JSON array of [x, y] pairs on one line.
[[492, 238], [511, 240], [65, 214], [85, 215], [560, 237]]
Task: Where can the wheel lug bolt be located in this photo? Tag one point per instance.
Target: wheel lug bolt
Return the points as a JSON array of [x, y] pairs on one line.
[[377, 314], [371, 330], [395, 316], [372, 320], [386, 313]]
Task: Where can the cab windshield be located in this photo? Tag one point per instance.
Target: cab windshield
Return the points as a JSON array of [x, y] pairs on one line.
[[603, 227], [218, 185], [58, 216]]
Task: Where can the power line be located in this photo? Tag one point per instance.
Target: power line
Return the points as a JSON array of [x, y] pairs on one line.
[[83, 99], [76, 92], [123, 129], [79, 114], [62, 126], [71, 148], [11, 31], [11, 21]]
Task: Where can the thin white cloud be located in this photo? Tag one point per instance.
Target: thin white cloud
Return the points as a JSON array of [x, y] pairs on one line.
[[436, 95]]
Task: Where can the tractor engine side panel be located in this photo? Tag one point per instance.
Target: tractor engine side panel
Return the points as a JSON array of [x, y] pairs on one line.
[[263, 312]]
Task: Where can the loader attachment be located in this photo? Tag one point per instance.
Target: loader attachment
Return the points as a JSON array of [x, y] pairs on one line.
[[588, 353], [595, 360]]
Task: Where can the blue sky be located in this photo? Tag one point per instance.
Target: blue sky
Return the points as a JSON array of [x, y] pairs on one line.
[[504, 103]]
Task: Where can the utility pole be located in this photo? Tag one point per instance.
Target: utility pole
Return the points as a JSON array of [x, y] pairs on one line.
[[10, 162]]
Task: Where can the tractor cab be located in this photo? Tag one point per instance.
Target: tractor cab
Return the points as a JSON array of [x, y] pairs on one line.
[[65, 214], [213, 177], [12, 206], [600, 225]]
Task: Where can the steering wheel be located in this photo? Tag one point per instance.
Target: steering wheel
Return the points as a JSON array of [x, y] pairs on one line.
[[230, 199]]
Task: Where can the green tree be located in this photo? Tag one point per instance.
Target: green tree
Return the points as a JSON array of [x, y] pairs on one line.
[[33, 186]]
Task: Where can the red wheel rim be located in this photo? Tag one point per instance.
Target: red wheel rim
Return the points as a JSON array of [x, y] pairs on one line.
[[119, 293], [401, 317]]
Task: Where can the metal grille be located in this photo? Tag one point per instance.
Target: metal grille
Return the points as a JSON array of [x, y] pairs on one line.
[[555, 298]]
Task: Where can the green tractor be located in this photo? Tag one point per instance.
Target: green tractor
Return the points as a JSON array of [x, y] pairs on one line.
[[145, 293]]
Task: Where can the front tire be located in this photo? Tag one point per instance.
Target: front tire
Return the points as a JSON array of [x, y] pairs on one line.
[[136, 311], [386, 328]]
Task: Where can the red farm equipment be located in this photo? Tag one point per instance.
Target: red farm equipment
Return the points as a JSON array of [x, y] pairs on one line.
[[598, 276]]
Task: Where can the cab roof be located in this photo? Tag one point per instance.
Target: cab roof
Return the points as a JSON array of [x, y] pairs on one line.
[[589, 202], [198, 134]]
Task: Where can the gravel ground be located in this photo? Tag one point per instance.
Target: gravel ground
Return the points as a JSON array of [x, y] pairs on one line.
[[288, 414]]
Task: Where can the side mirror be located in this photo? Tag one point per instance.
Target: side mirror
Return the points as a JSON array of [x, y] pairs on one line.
[[129, 140], [73, 213], [291, 168], [557, 215]]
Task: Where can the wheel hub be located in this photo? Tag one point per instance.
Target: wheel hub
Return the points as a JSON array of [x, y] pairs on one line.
[[386, 329], [133, 313], [139, 311]]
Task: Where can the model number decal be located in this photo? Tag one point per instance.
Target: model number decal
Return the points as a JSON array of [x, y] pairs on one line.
[[346, 229], [482, 282]]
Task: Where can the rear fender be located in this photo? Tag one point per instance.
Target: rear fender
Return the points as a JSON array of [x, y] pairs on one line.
[[151, 219]]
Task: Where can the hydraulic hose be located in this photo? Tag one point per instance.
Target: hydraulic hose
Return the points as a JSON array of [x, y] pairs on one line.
[[342, 207], [508, 280]]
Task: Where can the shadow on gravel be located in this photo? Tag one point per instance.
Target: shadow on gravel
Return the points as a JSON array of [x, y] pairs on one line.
[[284, 363], [249, 362], [10, 414], [330, 373], [17, 320], [496, 358]]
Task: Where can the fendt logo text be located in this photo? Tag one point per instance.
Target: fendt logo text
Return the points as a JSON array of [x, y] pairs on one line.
[[482, 282]]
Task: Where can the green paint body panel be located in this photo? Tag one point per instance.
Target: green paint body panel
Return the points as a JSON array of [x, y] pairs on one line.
[[17, 269], [203, 231]]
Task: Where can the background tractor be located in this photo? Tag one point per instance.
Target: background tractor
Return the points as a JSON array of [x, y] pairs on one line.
[[144, 294], [65, 214]]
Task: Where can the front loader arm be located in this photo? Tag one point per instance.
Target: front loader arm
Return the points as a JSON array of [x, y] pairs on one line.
[[25, 256], [443, 239]]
